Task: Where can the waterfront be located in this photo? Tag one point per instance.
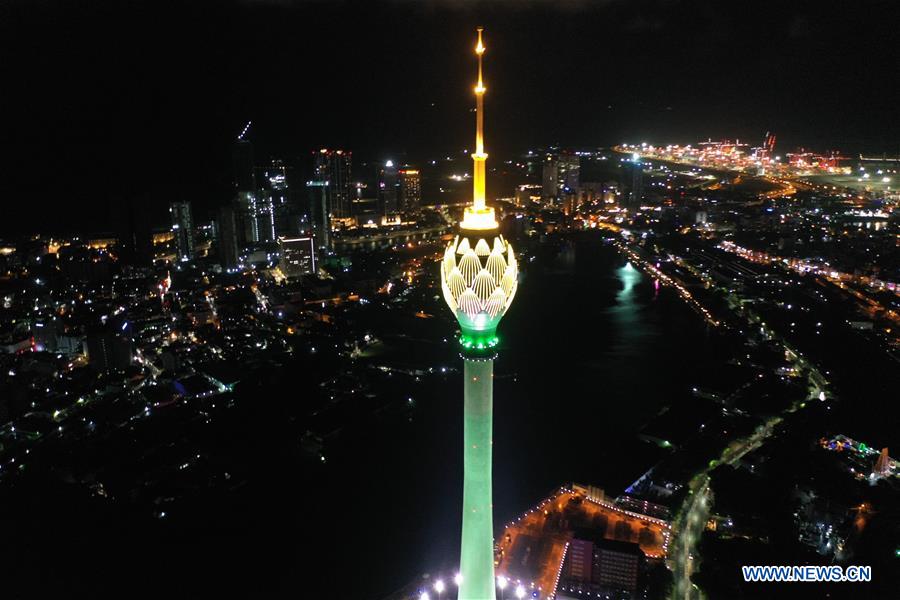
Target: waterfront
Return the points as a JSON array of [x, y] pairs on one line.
[[627, 348]]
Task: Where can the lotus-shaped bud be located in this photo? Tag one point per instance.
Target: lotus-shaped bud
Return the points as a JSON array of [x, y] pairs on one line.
[[479, 280]]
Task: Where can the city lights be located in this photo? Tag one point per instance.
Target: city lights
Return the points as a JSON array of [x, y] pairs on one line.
[[224, 333]]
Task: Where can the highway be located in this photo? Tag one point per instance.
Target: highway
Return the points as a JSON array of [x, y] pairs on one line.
[[683, 559], [689, 526], [690, 522]]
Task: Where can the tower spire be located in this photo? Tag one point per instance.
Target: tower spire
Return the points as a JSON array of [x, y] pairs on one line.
[[479, 107], [479, 216]]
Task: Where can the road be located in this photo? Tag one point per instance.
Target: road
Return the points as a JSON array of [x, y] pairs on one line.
[[689, 526], [689, 529]]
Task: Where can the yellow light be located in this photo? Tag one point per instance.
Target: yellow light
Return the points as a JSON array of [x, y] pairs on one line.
[[479, 219]]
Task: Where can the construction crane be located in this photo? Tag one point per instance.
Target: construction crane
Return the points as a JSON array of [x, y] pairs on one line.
[[767, 149], [245, 130]]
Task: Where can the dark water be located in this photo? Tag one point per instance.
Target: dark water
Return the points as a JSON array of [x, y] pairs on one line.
[[591, 351]]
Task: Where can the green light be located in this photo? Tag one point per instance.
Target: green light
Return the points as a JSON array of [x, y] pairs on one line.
[[477, 548], [479, 340]]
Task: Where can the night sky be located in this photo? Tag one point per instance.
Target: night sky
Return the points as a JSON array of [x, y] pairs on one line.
[[108, 100]]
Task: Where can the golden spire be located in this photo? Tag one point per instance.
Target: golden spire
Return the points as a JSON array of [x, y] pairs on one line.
[[479, 95], [479, 216]]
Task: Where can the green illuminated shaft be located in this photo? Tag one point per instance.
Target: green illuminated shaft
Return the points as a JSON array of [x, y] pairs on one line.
[[477, 554]]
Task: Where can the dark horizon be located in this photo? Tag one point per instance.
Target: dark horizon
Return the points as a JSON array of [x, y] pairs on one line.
[[106, 102]]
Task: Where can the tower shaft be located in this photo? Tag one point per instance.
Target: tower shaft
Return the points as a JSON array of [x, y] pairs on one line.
[[477, 553]]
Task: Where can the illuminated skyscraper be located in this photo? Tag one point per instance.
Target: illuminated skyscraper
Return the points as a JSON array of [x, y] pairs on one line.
[[479, 279], [265, 217], [278, 192], [333, 167], [183, 228], [245, 192], [318, 212], [410, 190], [227, 237], [560, 176], [388, 189], [636, 194]]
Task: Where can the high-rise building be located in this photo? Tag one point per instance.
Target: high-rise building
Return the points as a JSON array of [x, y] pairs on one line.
[[245, 191], [388, 189], [278, 195], [410, 190], [636, 192], [298, 256], [245, 215], [549, 188], [318, 212], [570, 172], [479, 279], [570, 203], [132, 219], [275, 176], [364, 207], [183, 229], [265, 216], [254, 205], [560, 176], [227, 237], [243, 171], [334, 167]]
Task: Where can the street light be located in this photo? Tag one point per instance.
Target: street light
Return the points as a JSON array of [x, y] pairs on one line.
[[424, 596], [520, 592], [457, 579], [502, 582], [439, 587]]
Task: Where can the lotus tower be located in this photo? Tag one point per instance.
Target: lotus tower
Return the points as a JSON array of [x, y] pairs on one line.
[[478, 278]]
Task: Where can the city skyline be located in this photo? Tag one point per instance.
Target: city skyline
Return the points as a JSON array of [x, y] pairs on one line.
[[253, 267], [806, 73]]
